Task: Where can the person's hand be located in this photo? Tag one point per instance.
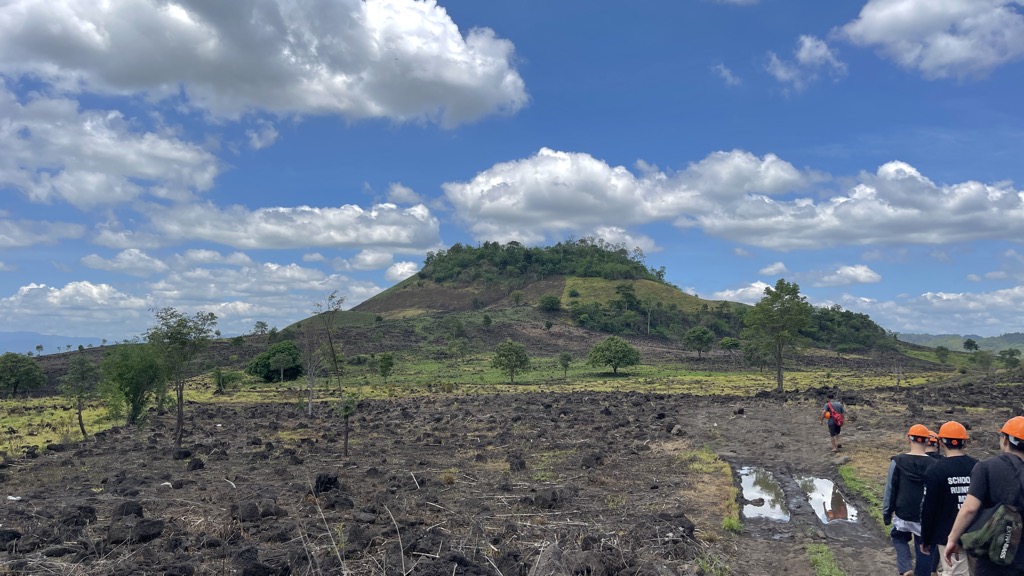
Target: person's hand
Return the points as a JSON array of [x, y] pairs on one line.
[[952, 549], [926, 549]]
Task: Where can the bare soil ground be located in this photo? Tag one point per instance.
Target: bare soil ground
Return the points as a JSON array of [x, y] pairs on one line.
[[524, 484]]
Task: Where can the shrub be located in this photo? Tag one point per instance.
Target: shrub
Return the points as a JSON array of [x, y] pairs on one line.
[[281, 358], [549, 303]]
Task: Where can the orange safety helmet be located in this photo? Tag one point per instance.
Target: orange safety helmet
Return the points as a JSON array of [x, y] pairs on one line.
[[933, 438], [918, 433], [953, 434], [1014, 428]]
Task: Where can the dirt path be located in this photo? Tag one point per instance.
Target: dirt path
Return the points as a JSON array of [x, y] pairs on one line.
[[788, 442], [527, 484]]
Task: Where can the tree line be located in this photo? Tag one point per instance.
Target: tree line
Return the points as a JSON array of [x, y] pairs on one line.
[[496, 263]]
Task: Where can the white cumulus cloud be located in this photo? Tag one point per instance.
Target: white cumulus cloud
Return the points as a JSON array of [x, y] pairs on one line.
[[845, 275], [371, 260], [951, 38], [22, 233], [773, 269], [399, 194], [554, 193], [733, 195], [812, 56], [50, 149], [131, 261], [751, 294], [401, 270], [397, 59], [79, 307], [383, 225]]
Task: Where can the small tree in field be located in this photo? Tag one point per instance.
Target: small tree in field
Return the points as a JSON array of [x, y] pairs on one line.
[[385, 364], [942, 354], [132, 373], [730, 345], [279, 362], [970, 345], [615, 352], [1010, 358], [18, 371], [348, 408], [180, 339], [699, 338], [775, 322], [79, 384], [260, 366], [564, 360], [511, 358]]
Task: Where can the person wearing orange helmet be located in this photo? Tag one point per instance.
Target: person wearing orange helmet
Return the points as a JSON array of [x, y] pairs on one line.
[[945, 489], [901, 503], [995, 480]]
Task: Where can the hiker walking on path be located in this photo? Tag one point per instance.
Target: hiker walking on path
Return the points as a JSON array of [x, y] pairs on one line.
[[901, 503], [996, 480], [945, 485], [835, 413]]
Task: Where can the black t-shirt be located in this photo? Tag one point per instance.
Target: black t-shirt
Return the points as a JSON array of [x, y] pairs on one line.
[[945, 488], [995, 481]]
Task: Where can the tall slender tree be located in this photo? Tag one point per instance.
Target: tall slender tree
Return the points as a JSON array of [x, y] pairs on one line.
[[326, 311], [775, 322], [80, 384], [180, 338]]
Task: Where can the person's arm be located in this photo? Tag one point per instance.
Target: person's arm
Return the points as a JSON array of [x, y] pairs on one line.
[[968, 510], [887, 495], [823, 412]]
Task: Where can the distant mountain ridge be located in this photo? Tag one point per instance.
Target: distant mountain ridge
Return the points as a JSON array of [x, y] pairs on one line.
[[956, 341]]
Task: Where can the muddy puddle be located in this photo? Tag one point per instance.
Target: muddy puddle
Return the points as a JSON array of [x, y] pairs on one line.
[[763, 495], [765, 498], [826, 500]]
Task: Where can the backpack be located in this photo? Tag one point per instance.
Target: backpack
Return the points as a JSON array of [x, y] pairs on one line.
[[995, 533], [837, 417]]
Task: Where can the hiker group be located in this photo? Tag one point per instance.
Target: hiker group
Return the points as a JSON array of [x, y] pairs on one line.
[[959, 515]]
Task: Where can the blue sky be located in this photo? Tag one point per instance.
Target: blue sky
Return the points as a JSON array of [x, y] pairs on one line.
[[250, 158]]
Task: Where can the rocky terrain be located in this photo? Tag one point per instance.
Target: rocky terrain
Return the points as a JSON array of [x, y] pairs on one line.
[[503, 484]]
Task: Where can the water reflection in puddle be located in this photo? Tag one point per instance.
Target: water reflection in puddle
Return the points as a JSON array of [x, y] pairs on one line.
[[764, 494], [826, 500]]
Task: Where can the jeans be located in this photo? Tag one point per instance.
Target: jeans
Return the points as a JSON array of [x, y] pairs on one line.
[[902, 542]]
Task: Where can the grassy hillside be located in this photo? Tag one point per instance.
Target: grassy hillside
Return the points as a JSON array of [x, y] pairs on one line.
[[955, 342]]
